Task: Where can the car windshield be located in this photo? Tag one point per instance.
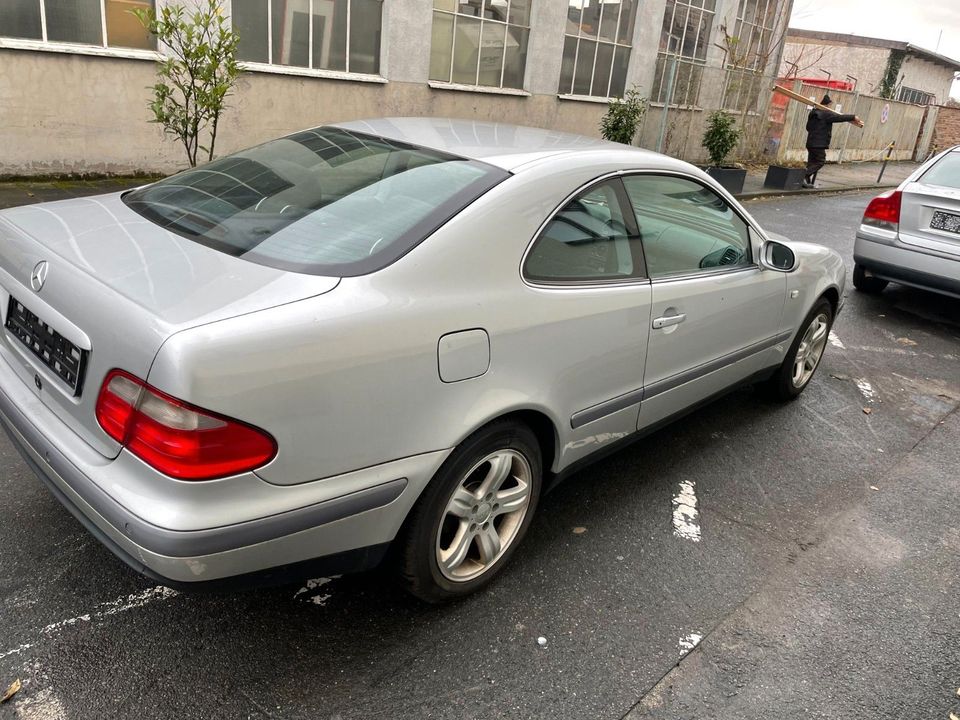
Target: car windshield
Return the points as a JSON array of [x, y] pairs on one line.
[[326, 201], [945, 173]]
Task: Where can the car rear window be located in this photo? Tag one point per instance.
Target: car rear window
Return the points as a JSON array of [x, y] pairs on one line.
[[326, 201], [945, 172]]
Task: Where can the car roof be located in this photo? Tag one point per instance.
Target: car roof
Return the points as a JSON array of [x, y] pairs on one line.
[[506, 146]]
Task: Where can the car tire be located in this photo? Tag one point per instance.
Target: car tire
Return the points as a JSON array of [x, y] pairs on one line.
[[865, 283], [791, 379], [460, 535]]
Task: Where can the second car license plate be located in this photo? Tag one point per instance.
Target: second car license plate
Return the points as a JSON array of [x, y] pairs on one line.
[[945, 221]]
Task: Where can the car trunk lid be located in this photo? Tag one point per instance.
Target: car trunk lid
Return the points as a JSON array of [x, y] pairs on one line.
[[93, 281], [930, 208]]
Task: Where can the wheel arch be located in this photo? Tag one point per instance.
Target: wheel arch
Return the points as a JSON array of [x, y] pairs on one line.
[[539, 422], [832, 294]]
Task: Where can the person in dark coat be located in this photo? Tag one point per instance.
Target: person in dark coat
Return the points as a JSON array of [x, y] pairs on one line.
[[819, 131]]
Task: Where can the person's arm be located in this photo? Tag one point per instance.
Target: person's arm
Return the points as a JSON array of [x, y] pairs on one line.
[[838, 118]]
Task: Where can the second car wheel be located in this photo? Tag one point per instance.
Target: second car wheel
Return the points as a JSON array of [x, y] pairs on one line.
[[473, 514], [803, 357]]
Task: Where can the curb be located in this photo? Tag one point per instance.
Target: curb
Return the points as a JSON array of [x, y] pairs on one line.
[[813, 191]]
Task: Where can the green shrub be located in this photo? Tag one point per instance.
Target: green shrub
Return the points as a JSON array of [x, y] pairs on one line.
[[622, 119], [721, 136], [195, 78]]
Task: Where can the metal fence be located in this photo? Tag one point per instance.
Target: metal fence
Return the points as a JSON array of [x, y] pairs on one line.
[[774, 127]]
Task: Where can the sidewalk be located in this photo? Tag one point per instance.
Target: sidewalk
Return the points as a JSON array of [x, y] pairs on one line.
[[833, 178], [25, 192]]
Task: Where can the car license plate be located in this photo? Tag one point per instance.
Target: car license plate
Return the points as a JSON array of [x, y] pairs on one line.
[[62, 357], [945, 221]]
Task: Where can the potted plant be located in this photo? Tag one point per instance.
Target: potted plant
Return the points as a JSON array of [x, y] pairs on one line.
[[782, 177], [622, 119], [720, 139]]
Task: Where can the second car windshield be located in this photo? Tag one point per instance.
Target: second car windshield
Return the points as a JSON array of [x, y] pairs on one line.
[[325, 201]]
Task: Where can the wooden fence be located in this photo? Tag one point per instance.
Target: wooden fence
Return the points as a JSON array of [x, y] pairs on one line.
[[885, 121]]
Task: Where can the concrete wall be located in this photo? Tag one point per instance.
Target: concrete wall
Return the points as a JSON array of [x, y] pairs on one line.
[[867, 64], [66, 126], [64, 113]]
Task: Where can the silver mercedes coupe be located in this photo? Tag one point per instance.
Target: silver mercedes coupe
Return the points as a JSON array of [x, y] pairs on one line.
[[391, 334]]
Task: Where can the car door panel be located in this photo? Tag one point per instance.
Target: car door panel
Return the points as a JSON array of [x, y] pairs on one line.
[[714, 313], [586, 280], [729, 333]]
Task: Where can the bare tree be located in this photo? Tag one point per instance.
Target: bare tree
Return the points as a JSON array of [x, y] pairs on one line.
[[802, 57], [748, 61]]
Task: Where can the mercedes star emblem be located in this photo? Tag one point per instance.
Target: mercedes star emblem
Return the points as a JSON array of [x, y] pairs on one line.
[[39, 275]]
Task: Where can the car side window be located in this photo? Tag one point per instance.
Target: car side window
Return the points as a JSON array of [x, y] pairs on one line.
[[587, 240], [686, 227]]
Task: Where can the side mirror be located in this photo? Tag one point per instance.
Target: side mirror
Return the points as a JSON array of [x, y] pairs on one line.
[[777, 256]]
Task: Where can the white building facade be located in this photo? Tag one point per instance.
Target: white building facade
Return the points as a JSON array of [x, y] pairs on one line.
[[75, 75]]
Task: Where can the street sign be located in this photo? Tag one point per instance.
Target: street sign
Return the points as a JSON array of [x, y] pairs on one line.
[[885, 113]]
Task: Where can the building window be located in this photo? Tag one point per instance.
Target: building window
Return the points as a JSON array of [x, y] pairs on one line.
[[915, 97], [341, 35], [685, 37], [748, 53], [596, 47], [100, 23], [480, 42], [753, 34]]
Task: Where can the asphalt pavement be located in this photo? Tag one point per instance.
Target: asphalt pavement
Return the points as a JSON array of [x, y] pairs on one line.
[[823, 582]]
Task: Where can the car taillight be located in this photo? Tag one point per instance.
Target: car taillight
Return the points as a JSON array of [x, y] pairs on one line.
[[176, 438], [884, 211]]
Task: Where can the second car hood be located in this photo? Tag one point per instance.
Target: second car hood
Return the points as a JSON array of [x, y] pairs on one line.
[[181, 282]]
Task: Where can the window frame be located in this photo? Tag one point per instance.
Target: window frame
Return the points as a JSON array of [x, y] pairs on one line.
[[104, 48], [692, 61], [449, 83], [752, 230], [639, 276], [281, 69], [568, 93], [907, 94]]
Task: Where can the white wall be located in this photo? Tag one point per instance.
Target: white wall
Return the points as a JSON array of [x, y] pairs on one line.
[[72, 113]]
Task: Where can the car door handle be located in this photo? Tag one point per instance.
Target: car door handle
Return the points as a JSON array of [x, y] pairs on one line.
[[668, 320]]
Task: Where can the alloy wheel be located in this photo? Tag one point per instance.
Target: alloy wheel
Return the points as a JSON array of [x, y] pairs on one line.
[[810, 350], [483, 516]]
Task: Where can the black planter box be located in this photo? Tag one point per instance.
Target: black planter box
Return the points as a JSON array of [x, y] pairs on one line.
[[731, 178], [784, 178]]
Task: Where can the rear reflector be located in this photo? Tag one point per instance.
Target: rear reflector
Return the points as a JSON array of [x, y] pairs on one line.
[[176, 438], [884, 211]]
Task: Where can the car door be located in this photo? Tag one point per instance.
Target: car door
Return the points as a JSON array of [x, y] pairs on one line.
[[590, 297], [715, 313]]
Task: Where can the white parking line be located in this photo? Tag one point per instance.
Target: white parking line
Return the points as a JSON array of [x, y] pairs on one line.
[[836, 341], [686, 523], [315, 596], [113, 607], [866, 389], [905, 352], [689, 642]]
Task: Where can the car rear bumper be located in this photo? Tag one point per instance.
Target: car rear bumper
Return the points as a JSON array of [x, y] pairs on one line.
[[349, 532], [909, 266]]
